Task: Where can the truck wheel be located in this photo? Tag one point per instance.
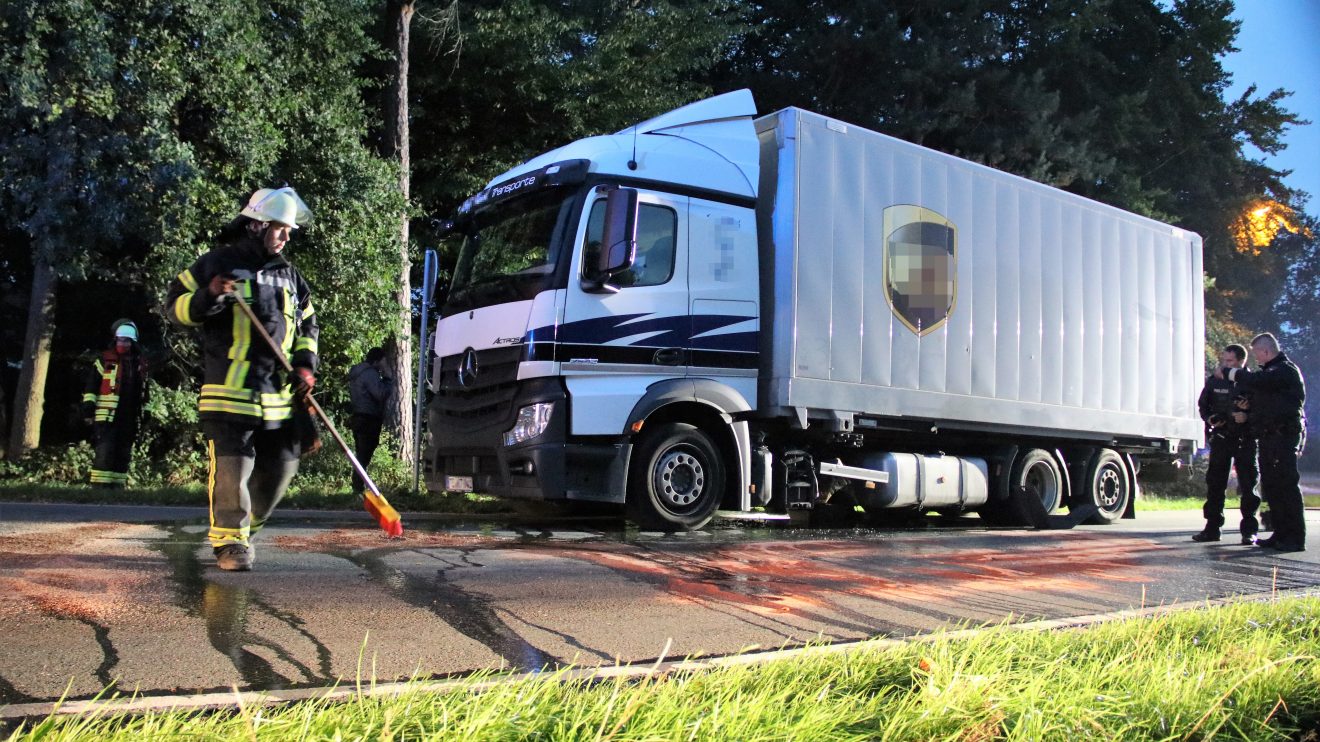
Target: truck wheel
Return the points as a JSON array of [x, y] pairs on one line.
[[1105, 488], [1036, 470], [677, 479], [1035, 478]]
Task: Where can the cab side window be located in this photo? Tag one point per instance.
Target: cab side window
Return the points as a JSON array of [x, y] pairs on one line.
[[657, 243]]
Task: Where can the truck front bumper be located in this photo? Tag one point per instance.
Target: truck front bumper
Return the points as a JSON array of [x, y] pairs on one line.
[[469, 454]]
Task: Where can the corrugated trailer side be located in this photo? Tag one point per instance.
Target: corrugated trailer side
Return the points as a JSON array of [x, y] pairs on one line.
[[1066, 317]]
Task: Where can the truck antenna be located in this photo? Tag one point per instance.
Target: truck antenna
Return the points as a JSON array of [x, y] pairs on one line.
[[632, 164]]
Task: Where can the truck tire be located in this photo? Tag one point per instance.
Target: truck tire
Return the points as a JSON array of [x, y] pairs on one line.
[[1037, 470], [677, 479], [1105, 488], [1035, 489]]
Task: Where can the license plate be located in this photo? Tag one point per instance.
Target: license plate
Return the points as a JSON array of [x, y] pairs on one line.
[[458, 484]]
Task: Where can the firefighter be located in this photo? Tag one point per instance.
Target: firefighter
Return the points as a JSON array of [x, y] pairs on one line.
[[1231, 447], [246, 402], [112, 402]]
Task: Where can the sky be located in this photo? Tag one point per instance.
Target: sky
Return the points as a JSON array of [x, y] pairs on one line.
[[1279, 45]]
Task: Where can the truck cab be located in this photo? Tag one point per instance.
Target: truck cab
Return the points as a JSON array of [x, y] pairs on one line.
[[587, 310]]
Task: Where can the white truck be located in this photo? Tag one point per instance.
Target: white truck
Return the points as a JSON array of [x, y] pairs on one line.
[[712, 311]]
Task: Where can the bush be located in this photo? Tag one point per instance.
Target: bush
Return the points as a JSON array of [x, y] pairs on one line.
[[67, 464]]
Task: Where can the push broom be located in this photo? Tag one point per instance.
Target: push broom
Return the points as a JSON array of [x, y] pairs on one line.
[[372, 500]]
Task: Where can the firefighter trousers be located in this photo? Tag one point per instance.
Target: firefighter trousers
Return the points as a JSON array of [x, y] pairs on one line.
[[113, 444], [250, 469]]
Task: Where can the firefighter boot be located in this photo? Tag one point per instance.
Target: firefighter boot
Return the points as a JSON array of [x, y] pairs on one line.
[[233, 557], [1209, 533]]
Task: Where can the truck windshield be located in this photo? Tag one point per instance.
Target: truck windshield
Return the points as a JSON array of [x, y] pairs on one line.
[[508, 252]]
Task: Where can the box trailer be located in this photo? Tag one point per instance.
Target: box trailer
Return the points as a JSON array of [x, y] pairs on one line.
[[714, 311]]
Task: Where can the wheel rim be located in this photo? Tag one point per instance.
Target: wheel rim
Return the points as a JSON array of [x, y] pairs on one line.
[[1109, 488], [1041, 478], [679, 478]]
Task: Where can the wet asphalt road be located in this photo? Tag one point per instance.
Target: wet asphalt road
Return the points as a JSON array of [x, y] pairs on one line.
[[91, 595]]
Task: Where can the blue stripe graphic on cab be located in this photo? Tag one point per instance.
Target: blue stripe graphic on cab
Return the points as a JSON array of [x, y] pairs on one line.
[[663, 332]]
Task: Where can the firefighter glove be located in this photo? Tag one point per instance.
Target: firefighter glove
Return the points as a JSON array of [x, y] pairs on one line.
[[221, 285], [303, 381]]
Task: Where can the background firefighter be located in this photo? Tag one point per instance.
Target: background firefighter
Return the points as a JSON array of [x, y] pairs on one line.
[[246, 401], [112, 403]]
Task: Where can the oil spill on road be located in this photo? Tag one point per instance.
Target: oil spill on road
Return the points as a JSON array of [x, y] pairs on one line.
[[226, 610], [470, 614], [37, 574], [832, 582]]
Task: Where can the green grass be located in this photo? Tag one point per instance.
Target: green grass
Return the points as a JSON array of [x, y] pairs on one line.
[[1155, 502], [1244, 671]]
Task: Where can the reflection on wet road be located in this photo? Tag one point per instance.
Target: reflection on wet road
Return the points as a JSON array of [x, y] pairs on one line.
[[88, 600]]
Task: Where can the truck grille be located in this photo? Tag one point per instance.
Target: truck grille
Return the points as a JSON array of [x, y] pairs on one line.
[[487, 396]]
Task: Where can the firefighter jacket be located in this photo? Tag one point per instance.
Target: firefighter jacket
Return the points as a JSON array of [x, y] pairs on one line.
[[1277, 397], [116, 387], [243, 381]]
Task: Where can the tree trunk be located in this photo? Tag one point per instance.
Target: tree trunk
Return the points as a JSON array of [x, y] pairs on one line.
[[403, 356], [30, 396]]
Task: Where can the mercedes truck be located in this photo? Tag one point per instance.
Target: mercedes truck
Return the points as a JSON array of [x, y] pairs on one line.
[[711, 311]]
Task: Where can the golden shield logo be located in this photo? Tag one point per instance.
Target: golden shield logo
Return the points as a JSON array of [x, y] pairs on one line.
[[921, 252]]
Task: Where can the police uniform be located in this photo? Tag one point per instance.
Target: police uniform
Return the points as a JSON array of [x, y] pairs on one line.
[[1231, 446], [246, 403], [113, 396], [1278, 394]]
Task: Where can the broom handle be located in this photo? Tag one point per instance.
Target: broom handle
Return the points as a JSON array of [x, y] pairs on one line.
[[316, 407]]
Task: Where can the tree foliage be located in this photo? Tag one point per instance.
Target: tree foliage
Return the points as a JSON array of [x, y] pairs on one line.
[[131, 132], [504, 81]]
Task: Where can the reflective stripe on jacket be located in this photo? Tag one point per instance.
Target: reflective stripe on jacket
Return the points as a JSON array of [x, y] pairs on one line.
[[114, 381], [242, 380]]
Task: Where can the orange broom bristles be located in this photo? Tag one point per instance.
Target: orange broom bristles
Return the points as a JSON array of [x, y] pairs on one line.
[[384, 513]]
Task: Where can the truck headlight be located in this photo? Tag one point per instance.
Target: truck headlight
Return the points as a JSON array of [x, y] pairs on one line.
[[532, 421]]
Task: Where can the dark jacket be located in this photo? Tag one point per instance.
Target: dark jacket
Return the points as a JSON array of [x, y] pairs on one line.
[[116, 387], [1277, 396], [368, 390], [1216, 400], [242, 380]]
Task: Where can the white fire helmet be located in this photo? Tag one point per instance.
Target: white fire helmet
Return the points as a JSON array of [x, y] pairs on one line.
[[126, 329], [277, 205]]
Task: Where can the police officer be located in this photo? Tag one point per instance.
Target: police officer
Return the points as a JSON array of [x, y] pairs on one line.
[[1277, 396], [1230, 446], [113, 397], [246, 402]]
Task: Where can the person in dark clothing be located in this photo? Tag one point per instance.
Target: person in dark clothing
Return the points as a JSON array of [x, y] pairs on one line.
[[113, 397], [1231, 446], [1278, 394], [246, 401], [369, 390]]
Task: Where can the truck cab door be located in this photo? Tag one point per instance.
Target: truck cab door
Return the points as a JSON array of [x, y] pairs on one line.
[[615, 342]]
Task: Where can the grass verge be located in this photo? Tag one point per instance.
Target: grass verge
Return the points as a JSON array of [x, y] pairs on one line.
[[1243, 671], [1155, 502]]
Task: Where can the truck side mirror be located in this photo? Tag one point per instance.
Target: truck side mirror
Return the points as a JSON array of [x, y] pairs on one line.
[[618, 244]]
